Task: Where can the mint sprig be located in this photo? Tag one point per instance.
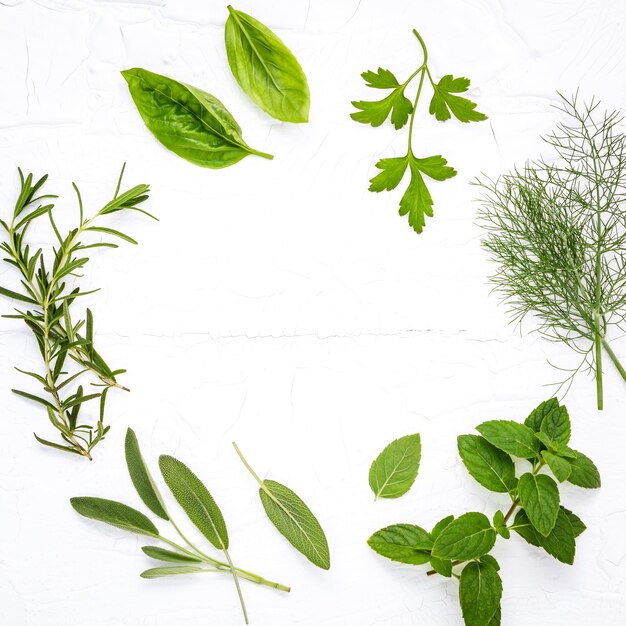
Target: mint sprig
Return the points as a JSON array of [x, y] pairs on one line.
[[461, 547]]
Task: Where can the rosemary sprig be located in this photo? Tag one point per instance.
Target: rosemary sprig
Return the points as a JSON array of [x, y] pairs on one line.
[[47, 287], [557, 231]]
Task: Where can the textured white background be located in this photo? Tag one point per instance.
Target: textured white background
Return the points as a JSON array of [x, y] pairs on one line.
[[282, 305]]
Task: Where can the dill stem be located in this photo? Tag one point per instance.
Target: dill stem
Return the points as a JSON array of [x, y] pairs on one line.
[[598, 360], [613, 357]]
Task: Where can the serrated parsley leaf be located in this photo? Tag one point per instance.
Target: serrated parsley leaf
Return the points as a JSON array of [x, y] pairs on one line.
[[445, 104], [376, 112], [380, 79]]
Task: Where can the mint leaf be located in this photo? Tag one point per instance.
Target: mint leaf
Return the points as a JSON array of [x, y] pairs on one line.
[[511, 437], [560, 541], [404, 543], [488, 465], [375, 113], [480, 592], [443, 567], [535, 419], [539, 496], [523, 527], [584, 473], [380, 79], [556, 425], [440, 525], [395, 469], [500, 525], [560, 467], [467, 537], [444, 104], [578, 525]]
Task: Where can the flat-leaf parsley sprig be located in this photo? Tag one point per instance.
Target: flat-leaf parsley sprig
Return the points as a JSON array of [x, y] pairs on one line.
[[446, 102], [48, 290]]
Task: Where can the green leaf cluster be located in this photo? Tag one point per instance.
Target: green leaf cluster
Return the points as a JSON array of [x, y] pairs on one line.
[[195, 125], [48, 288], [460, 547], [555, 229], [416, 202], [197, 503]]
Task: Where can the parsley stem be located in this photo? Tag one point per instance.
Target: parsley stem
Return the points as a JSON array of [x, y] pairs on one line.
[[417, 97]]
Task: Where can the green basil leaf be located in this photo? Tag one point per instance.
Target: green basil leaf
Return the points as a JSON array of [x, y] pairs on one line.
[[395, 469], [175, 570], [556, 424], [539, 496], [511, 437], [265, 68], [535, 419], [480, 592], [491, 467], [195, 500], [584, 472], [467, 537], [561, 468], [141, 477], [405, 543], [295, 521], [115, 514], [188, 121], [161, 554]]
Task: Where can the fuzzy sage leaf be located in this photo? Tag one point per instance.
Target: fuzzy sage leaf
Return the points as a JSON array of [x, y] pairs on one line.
[[188, 121], [395, 469], [265, 68], [115, 514], [292, 518], [162, 554]]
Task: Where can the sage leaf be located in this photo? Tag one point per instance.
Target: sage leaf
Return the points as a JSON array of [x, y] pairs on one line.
[[480, 592], [295, 521], [141, 477], [115, 514], [561, 468], [584, 472], [491, 467], [511, 437], [195, 500], [535, 419], [539, 496], [161, 572], [404, 543], [161, 554], [467, 537], [188, 121], [265, 68], [292, 518], [395, 469]]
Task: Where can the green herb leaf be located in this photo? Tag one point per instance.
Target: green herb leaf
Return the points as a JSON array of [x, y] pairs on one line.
[[500, 525], [376, 112], [556, 425], [467, 537], [443, 567], [266, 69], [380, 79], [16, 296], [295, 521], [444, 101], [416, 202], [539, 496], [395, 469], [578, 525], [584, 472], [480, 592], [560, 467], [440, 525], [195, 500], [560, 541], [175, 570], [404, 543], [535, 419], [523, 527], [188, 121], [511, 437], [491, 467], [141, 477], [115, 514], [161, 554]]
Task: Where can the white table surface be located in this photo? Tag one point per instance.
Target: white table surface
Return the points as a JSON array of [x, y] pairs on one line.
[[282, 305]]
